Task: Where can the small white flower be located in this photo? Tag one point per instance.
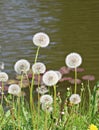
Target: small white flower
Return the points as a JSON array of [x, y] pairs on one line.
[[47, 108], [59, 75], [38, 68], [3, 76], [14, 89], [50, 78], [42, 90], [41, 39], [22, 66], [46, 99], [73, 60], [75, 99]]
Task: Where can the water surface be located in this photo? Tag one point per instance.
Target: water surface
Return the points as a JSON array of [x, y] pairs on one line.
[[73, 26]]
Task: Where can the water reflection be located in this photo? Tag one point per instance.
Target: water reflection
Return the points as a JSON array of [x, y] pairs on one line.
[[71, 25]]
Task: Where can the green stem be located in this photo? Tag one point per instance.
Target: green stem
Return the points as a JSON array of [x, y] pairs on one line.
[[19, 113], [55, 99], [32, 109], [32, 84], [19, 104], [38, 101], [46, 120], [2, 93], [75, 81], [37, 52]]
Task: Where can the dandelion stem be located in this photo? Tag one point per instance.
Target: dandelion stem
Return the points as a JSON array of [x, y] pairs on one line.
[[19, 113], [55, 99], [2, 93], [38, 101], [37, 54], [75, 81], [46, 120], [32, 109]]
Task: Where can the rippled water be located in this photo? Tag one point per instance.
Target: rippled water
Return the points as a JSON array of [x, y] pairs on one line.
[[73, 26]]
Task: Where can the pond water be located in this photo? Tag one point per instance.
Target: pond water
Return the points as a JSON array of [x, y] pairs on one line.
[[72, 25]]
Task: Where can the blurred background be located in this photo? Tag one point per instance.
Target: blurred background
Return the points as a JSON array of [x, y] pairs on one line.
[[72, 25]]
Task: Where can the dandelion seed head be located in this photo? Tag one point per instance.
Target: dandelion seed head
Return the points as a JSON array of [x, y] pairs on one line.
[[50, 78], [59, 74], [22, 66], [75, 99], [47, 108], [42, 90], [46, 99], [14, 89], [73, 60], [3, 77], [41, 39], [38, 68]]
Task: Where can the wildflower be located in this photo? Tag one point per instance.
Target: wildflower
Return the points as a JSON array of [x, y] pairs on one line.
[[88, 77], [38, 68], [3, 77], [41, 39], [72, 81], [46, 99], [14, 89], [47, 107], [73, 60], [42, 90], [75, 99], [64, 70], [92, 127], [22, 66], [59, 75], [50, 78]]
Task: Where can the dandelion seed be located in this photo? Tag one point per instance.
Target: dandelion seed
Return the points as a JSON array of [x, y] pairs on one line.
[[22, 66], [41, 39], [46, 99], [50, 78], [75, 99], [3, 76], [14, 89], [38, 68], [73, 60]]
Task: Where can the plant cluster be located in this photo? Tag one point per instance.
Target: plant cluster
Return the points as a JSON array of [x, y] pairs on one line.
[[48, 112]]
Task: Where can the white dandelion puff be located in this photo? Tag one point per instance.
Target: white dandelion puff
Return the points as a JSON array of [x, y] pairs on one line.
[[47, 108], [22, 66], [73, 60], [50, 78], [42, 90], [38, 68], [75, 99], [3, 76], [41, 39], [46, 99], [59, 75], [14, 89]]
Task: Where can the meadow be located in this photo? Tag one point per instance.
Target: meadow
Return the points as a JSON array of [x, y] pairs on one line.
[[78, 111]]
